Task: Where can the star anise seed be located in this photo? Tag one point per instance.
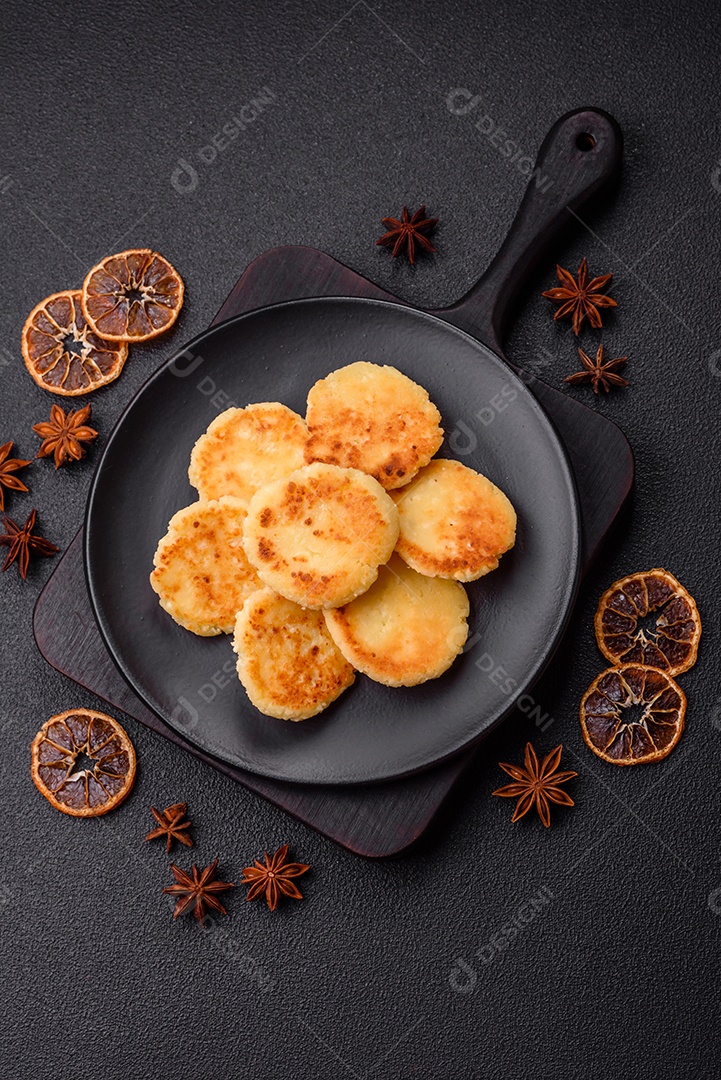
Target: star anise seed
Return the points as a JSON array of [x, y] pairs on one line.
[[23, 543], [581, 298], [536, 785], [9, 466], [171, 825], [196, 891], [273, 879], [64, 434], [407, 233], [599, 372]]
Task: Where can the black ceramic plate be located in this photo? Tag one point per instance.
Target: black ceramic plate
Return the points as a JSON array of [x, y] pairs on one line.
[[492, 423]]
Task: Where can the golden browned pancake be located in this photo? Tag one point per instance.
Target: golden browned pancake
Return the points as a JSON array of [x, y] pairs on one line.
[[287, 660], [375, 419], [405, 629], [246, 448], [319, 536], [201, 574], [454, 522]]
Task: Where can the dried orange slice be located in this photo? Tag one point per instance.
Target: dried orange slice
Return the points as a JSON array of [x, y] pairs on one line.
[[62, 353], [632, 715], [132, 296], [83, 762], [649, 618]]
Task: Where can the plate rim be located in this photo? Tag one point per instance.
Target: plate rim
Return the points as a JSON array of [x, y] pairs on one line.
[[574, 541]]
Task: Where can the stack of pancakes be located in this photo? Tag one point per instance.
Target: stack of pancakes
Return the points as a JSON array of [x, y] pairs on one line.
[[333, 544]]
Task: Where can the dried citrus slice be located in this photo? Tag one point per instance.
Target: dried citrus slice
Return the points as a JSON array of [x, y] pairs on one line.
[[633, 715], [83, 762], [132, 296], [62, 353], [653, 597]]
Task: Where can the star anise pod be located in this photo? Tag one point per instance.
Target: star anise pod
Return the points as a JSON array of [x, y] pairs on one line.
[[599, 372], [408, 232], [581, 298], [64, 433], [23, 543], [9, 466], [197, 891], [536, 785], [171, 825], [274, 878]]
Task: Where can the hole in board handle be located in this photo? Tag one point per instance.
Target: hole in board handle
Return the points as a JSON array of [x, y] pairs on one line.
[[585, 141]]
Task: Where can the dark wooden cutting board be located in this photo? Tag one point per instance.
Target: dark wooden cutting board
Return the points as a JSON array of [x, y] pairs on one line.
[[383, 819]]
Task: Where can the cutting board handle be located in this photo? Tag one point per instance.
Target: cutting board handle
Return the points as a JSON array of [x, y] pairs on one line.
[[580, 155]]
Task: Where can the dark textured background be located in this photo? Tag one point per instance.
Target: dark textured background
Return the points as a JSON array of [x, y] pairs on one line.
[[616, 975]]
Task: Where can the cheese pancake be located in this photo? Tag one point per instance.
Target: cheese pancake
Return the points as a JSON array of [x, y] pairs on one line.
[[454, 522], [373, 418], [287, 661], [201, 574], [246, 448], [405, 629], [318, 536]]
